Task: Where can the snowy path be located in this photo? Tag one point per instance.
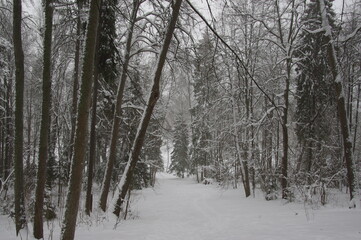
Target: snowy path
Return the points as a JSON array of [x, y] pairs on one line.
[[182, 209]]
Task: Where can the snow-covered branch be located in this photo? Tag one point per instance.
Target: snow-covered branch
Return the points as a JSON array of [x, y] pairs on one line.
[[349, 36]]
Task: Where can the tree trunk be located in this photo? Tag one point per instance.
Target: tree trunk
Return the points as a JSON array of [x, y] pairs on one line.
[[341, 107], [75, 87], [284, 161], [44, 127], [20, 218], [268, 141], [118, 112], [2, 146], [9, 133], [28, 130], [124, 184], [356, 116], [92, 143], [80, 146], [286, 43]]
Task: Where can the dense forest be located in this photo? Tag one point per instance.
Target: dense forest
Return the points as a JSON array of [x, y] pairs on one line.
[[98, 96]]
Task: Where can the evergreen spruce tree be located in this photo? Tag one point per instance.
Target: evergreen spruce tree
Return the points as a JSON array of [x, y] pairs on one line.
[[315, 113], [117, 117], [107, 52], [152, 152], [131, 119], [205, 92], [179, 155], [341, 103]]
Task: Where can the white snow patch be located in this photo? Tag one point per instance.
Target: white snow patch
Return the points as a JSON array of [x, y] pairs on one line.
[[182, 209]]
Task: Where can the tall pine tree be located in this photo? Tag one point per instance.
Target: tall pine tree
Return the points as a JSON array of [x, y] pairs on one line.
[[179, 155], [315, 113], [205, 93]]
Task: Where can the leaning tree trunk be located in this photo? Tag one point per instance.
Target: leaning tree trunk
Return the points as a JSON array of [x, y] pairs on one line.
[[118, 112], [341, 107], [124, 184], [44, 127], [80, 143], [20, 218]]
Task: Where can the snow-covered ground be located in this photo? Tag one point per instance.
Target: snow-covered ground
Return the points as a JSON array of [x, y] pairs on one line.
[[182, 209]]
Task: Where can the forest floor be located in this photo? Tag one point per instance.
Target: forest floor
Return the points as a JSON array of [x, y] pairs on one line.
[[182, 209]]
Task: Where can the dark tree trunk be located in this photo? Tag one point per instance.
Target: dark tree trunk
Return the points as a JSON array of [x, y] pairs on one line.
[[268, 141], [92, 143], [75, 86], [284, 161], [286, 42], [118, 112], [153, 97], [44, 127], [20, 218], [80, 143]]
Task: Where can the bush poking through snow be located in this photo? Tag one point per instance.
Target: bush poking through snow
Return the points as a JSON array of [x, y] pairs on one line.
[[352, 203], [271, 196], [207, 181]]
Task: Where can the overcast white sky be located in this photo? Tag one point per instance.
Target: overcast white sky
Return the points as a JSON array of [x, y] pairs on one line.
[[32, 6]]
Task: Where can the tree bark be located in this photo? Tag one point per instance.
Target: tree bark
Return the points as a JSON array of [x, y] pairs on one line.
[[284, 161], [75, 86], [118, 112], [341, 103], [75, 183], [356, 116], [2, 147], [243, 163], [20, 218], [124, 184], [44, 127], [9, 133], [92, 143], [28, 132]]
